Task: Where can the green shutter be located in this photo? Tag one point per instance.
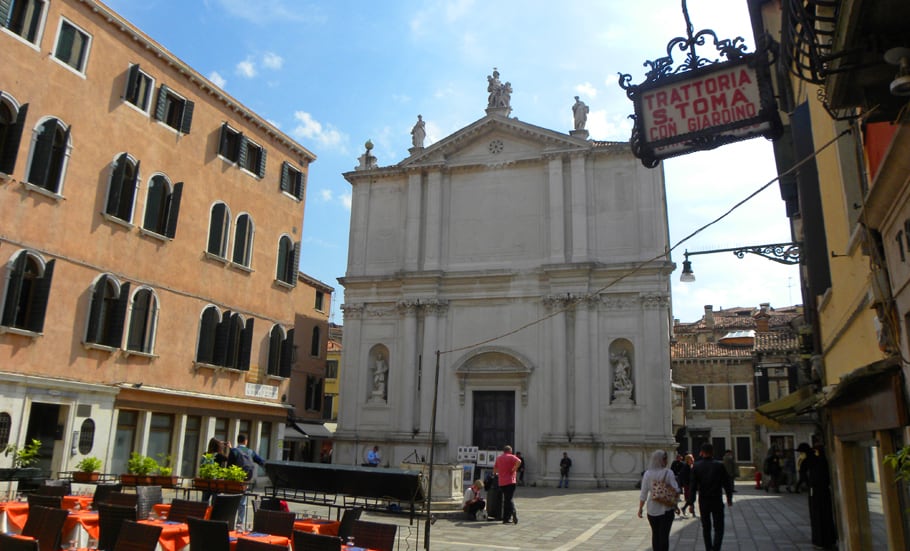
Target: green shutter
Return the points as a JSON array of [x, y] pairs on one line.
[[295, 263], [161, 106], [94, 330], [242, 154], [5, 6], [261, 168], [301, 186], [287, 347], [246, 345], [11, 142], [208, 328], [187, 121], [216, 229], [117, 318], [127, 194], [222, 332], [223, 142], [41, 156], [283, 183], [173, 211], [115, 188], [39, 299]]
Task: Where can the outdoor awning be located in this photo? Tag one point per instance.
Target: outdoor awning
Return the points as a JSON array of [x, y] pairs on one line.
[[790, 406], [302, 431]]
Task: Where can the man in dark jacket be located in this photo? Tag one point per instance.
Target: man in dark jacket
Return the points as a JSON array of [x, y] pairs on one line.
[[710, 482]]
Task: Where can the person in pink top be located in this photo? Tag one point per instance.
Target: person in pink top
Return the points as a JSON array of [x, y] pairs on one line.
[[506, 467]]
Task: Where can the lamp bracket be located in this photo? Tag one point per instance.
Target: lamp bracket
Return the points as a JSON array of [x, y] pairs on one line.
[[782, 253]]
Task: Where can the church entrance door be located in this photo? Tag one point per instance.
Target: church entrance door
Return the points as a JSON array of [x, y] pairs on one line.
[[494, 419]]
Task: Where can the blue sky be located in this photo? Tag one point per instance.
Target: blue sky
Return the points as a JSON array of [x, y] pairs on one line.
[[333, 74]]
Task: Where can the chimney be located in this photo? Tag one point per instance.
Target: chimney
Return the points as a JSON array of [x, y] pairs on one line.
[[763, 318], [709, 316]]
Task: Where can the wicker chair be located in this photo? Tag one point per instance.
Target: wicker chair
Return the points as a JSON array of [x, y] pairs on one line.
[[245, 544], [269, 504], [277, 523], [45, 501], [12, 543], [211, 535], [225, 506], [347, 521], [181, 509], [137, 537], [148, 496], [45, 524], [111, 518], [306, 541], [374, 535]]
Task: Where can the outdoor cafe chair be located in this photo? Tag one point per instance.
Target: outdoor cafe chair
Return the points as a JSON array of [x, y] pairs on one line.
[[307, 541], [135, 536], [45, 500], [45, 524], [181, 509], [347, 521], [244, 544], [211, 535], [12, 543], [55, 488], [103, 492], [374, 535], [111, 519], [225, 506], [277, 523], [123, 498], [148, 496]]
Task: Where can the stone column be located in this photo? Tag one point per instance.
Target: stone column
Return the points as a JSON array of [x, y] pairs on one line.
[[584, 377], [434, 222], [412, 222], [557, 213], [406, 381], [432, 314], [360, 219], [579, 207]]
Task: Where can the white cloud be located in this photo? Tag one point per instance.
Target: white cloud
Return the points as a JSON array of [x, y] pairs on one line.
[[217, 79], [272, 61], [309, 128], [325, 195], [586, 89], [345, 199], [246, 68], [328, 196]]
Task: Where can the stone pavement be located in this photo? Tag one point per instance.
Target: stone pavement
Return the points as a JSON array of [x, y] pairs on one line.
[[605, 520]]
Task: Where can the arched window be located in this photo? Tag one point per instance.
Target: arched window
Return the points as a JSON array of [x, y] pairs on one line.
[[27, 290], [243, 240], [12, 121], [162, 206], [315, 342], [281, 351], [219, 230], [288, 260], [107, 312], [50, 150], [122, 189], [143, 322], [86, 437]]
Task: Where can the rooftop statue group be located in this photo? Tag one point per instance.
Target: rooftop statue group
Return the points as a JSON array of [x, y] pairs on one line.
[[500, 94]]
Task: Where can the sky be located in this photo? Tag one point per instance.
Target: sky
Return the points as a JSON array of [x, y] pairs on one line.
[[333, 74]]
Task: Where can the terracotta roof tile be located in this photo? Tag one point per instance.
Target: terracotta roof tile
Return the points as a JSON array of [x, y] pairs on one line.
[[685, 350]]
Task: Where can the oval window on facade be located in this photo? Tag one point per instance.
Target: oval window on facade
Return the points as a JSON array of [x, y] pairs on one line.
[[6, 423], [87, 437]]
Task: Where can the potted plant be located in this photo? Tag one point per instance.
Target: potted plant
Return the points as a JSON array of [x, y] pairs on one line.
[[165, 473], [23, 459], [208, 473], [235, 479], [139, 469], [88, 470]]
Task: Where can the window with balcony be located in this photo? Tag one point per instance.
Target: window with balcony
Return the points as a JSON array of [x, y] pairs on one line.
[[28, 286]]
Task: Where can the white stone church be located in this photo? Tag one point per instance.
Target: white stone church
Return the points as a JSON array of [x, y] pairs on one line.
[[534, 262]]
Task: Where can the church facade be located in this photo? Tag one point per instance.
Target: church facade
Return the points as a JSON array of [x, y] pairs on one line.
[[511, 283]]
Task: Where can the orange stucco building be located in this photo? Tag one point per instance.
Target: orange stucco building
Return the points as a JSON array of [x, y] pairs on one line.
[[149, 247]]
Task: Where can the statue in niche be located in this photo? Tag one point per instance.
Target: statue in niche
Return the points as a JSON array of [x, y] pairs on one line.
[[380, 376], [622, 372]]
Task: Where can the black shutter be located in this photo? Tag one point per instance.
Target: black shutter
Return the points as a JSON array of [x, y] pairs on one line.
[[792, 378], [246, 345], [173, 211], [241, 154], [207, 334], [94, 310], [261, 168], [117, 319], [284, 183], [223, 142], [301, 185], [187, 121], [39, 299], [14, 290], [287, 347], [761, 388], [221, 339], [216, 228], [161, 106], [295, 263], [11, 142], [41, 158], [126, 210], [115, 189], [132, 82]]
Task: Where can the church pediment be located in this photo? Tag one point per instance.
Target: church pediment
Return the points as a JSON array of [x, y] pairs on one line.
[[496, 140]]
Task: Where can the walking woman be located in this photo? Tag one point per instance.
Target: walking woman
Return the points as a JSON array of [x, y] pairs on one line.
[[660, 515]]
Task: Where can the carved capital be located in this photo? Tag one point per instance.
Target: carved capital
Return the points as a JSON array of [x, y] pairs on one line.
[[353, 311], [654, 300]]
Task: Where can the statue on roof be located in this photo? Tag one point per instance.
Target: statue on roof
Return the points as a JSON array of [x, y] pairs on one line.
[[419, 132], [500, 95], [580, 111]]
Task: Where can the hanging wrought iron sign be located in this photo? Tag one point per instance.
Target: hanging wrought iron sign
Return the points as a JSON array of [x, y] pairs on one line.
[[702, 103]]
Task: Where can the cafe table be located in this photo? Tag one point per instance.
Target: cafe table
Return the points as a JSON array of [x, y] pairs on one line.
[[70, 502], [13, 515], [163, 509], [80, 526], [259, 536], [322, 526]]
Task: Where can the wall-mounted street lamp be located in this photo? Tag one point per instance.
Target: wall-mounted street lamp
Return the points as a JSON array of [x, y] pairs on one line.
[[783, 253]]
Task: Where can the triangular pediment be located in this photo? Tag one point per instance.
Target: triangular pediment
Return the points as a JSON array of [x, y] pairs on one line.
[[495, 140]]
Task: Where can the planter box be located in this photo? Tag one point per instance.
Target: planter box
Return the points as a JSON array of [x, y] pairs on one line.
[[137, 480], [219, 485], [79, 476], [165, 481]]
